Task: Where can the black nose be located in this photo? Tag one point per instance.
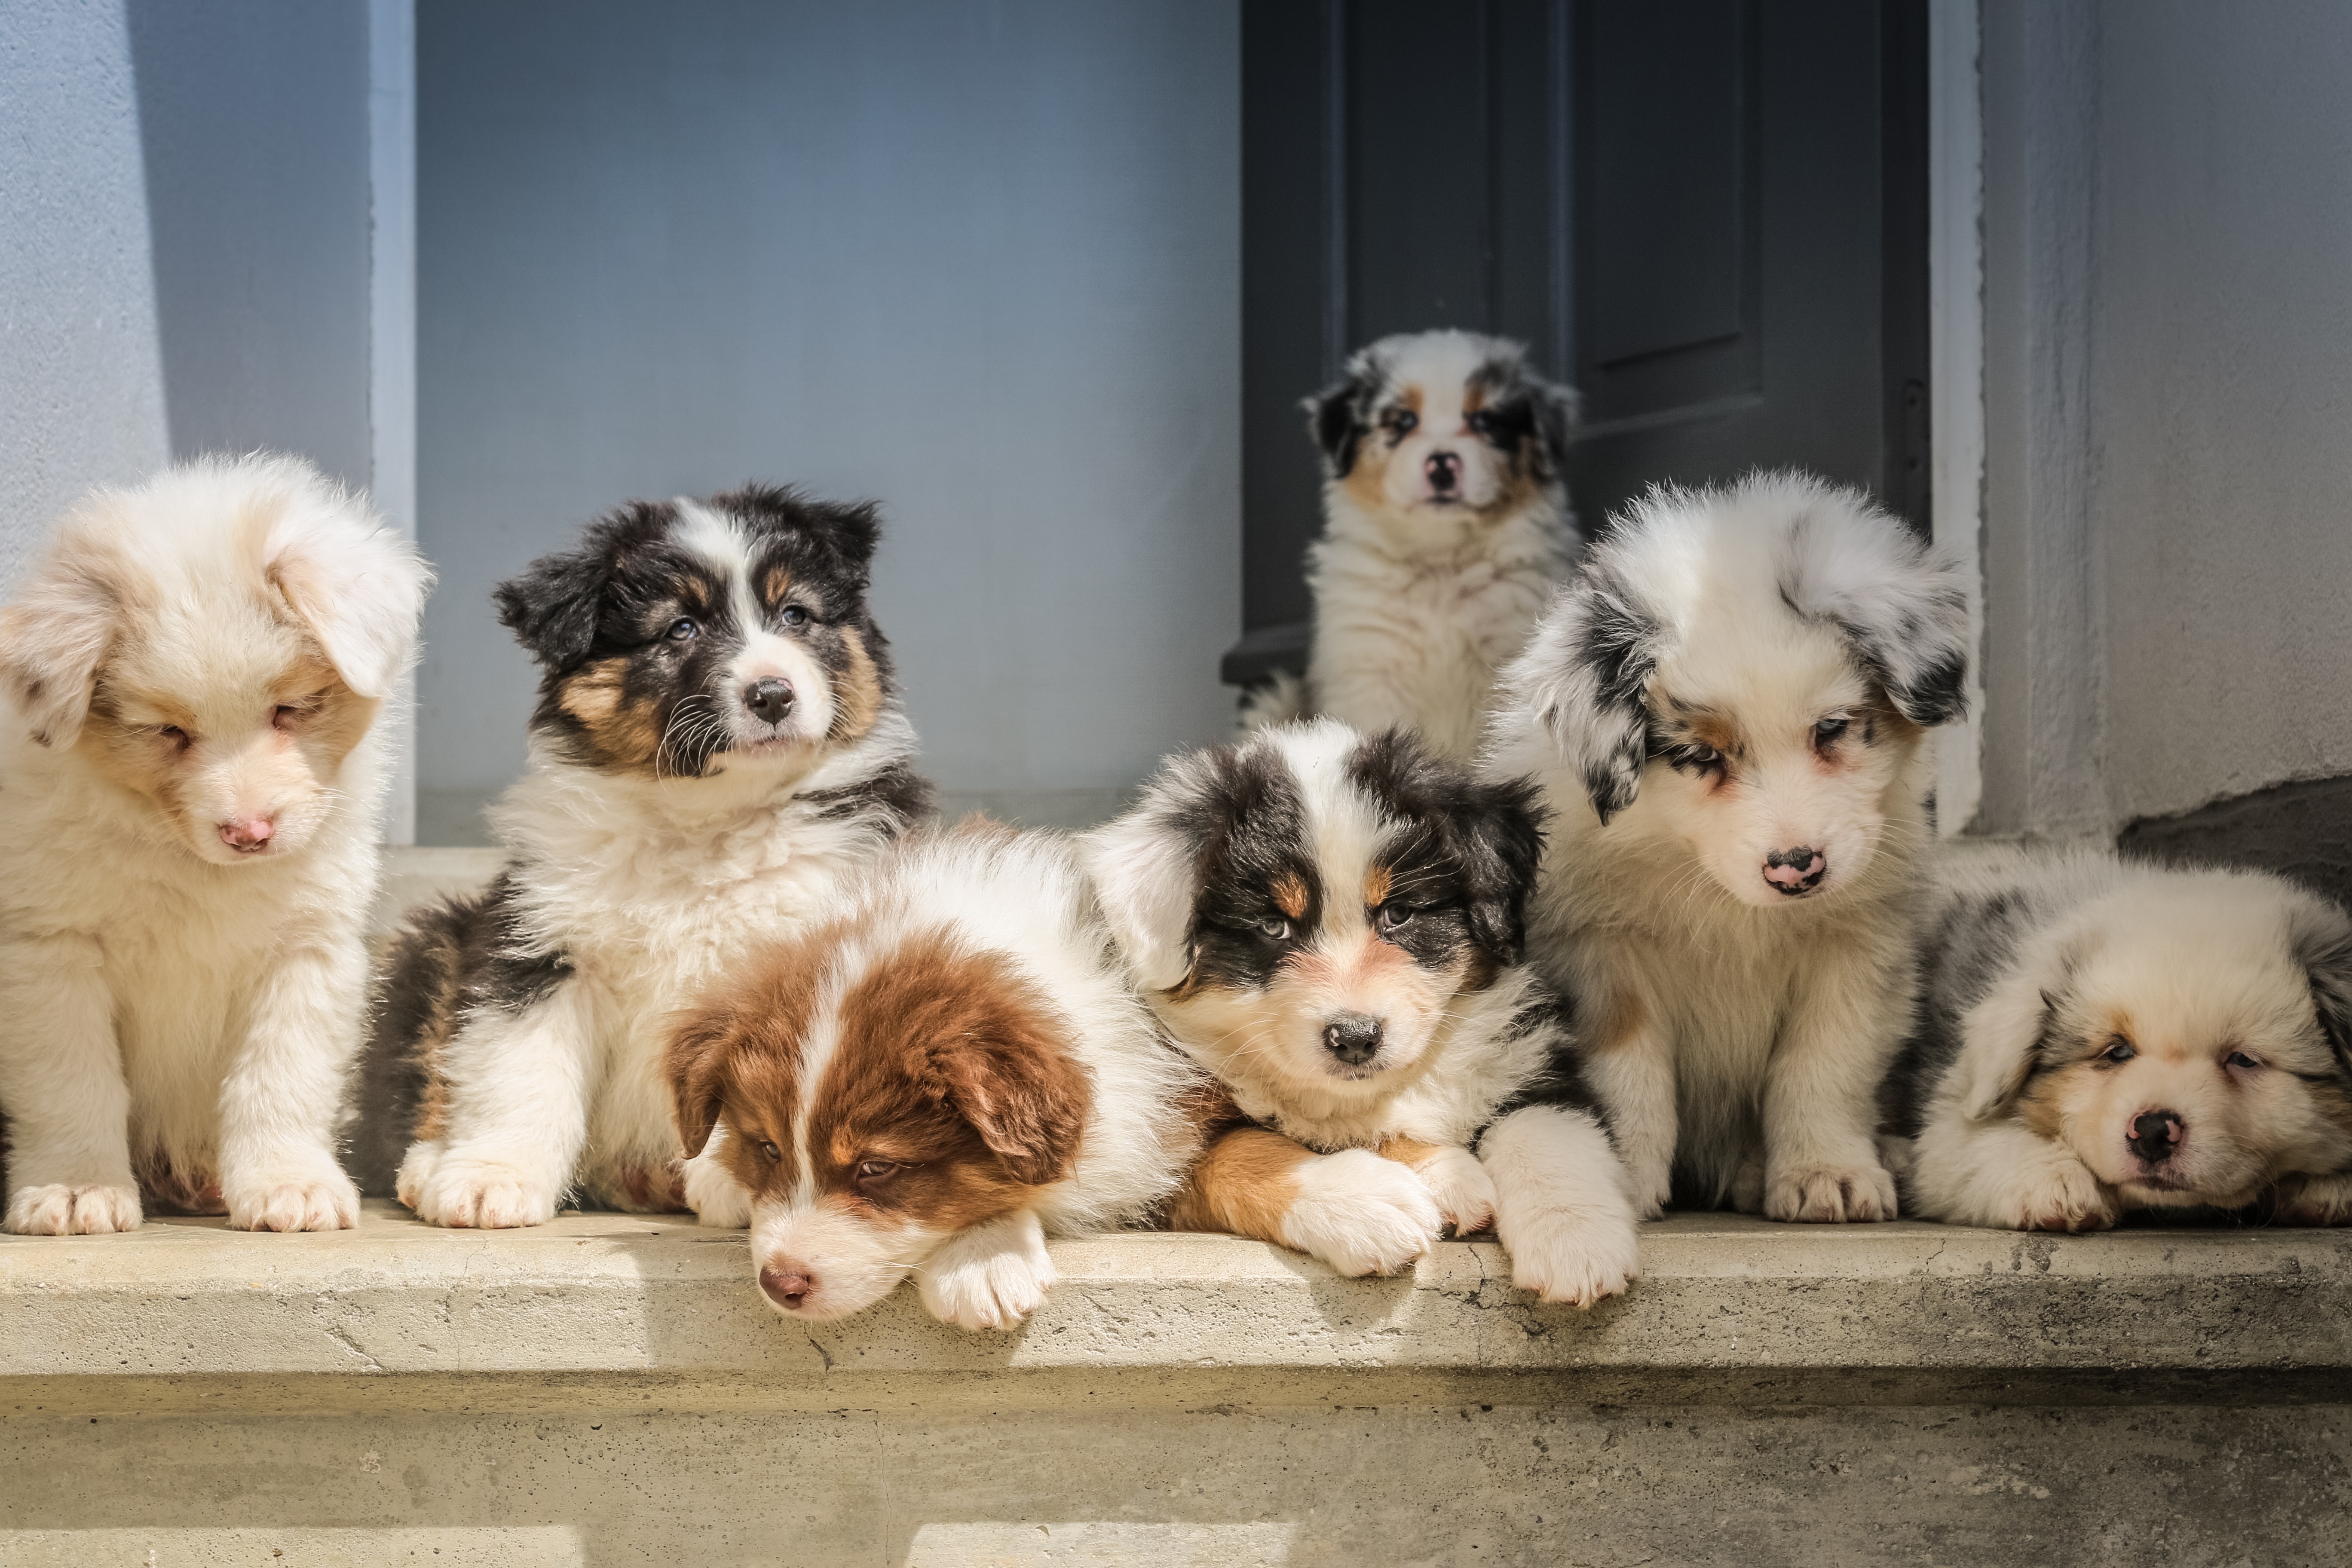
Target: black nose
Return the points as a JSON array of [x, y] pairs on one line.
[[768, 699], [1798, 870], [1352, 1038], [1444, 469], [2154, 1134]]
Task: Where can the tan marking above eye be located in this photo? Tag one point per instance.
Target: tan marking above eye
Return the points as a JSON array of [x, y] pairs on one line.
[[1709, 729], [1376, 887], [776, 586], [1289, 895]]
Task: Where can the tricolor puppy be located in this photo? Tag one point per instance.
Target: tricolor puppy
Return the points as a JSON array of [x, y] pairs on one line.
[[1727, 710], [190, 786], [1332, 924], [931, 1084], [717, 752], [2097, 1037], [1445, 529]]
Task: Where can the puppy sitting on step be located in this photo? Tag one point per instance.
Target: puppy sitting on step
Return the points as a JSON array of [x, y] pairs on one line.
[[930, 1084], [189, 804], [1725, 709], [2097, 1037], [1332, 924]]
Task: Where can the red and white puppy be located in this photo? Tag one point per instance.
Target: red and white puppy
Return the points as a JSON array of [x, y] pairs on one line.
[[931, 1085]]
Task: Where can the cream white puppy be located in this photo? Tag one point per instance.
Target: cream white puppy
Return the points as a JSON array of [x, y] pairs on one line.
[[1725, 711], [190, 788]]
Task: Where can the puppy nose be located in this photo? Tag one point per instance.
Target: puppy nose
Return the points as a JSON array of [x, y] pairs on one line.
[[247, 834], [1443, 469], [788, 1284], [768, 699], [2155, 1134], [1352, 1038], [1795, 871]]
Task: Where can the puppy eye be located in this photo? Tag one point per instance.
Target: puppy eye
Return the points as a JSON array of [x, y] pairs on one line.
[[284, 714], [1392, 916], [1699, 759], [1401, 422], [682, 629], [1481, 423], [1275, 931], [174, 735], [2239, 1059], [794, 615], [2118, 1050], [1829, 730], [876, 1170], [775, 1155]]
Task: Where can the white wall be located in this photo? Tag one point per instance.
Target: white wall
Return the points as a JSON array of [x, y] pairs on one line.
[[81, 378], [2168, 387], [981, 261]]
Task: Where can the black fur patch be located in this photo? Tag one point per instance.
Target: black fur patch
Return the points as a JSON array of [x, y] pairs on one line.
[[1562, 1081], [1340, 415], [898, 797], [1468, 853], [2325, 955], [1971, 947], [1249, 830], [1524, 416], [1619, 649]]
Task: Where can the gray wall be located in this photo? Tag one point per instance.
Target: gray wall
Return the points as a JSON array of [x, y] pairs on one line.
[[2168, 387], [981, 261], [183, 233]]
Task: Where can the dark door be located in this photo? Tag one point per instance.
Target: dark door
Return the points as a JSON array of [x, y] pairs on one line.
[[1709, 216]]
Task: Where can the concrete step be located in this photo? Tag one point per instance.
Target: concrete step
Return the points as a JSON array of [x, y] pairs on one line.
[[611, 1389]]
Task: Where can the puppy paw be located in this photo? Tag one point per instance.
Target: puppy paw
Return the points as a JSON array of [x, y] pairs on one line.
[[989, 1277], [59, 1210], [2315, 1200], [1653, 1186], [714, 1195], [1463, 1191], [477, 1194], [2061, 1195], [1576, 1256], [321, 1200], [1360, 1213], [1830, 1194]]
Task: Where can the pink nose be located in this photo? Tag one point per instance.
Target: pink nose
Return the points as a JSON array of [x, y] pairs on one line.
[[788, 1284], [247, 834], [1794, 872]]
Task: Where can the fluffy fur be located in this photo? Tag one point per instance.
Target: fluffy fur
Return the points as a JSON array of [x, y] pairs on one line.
[[1725, 711], [1445, 529], [932, 1084], [1332, 924], [2096, 1037], [190, 786], [718, 745]]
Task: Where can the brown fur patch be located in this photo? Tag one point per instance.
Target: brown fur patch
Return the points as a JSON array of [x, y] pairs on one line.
[[1243, 1185], [1376, 887], [737, 1055], [1617, 1020], [857, 693], [1410, 1151], [1289, 895], [625, 734], [2041, 1104], [775, 586], [1708, 728]]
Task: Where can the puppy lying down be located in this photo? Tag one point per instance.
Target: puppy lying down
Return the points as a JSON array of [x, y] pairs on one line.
[[930, 1084], [1332, 924], [2098, 1037]]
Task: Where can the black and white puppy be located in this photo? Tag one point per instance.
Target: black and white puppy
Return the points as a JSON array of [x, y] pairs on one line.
[[718, 746], [2097, 1037], [1727, 712], [1445, 529], [1332, 924]]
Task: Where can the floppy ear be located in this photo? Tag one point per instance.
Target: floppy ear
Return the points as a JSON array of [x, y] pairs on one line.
[[1584, 681], [2004, 1036], [698, 1050], [1336, 414], [358, 586], [1558, 410], [1144, 867], [2322, 940], [53, 639], [1022, 1094], [1902, 608], [1499, 839], [553, 606]]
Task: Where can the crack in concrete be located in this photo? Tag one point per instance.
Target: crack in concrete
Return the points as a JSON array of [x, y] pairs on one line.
[[821, 1352]]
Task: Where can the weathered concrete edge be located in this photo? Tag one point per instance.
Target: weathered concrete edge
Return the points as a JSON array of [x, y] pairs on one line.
[[617, 1295]]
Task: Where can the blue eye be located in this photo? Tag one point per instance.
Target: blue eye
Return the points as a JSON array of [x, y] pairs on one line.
[[1829, 730], [682, 630], [2241, 1060], [794, 615], [2118, 1050]]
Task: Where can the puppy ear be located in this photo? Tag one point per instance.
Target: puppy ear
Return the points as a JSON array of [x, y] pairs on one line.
[[1558, 410], [2003, 1039], [553, 606], [1022, 1094], [53, 639], [1145, 869], [358, 586], [699, 1044], [1902, 608], [1337, 415], [1583, 682], [2321, 938], [1500, 843]]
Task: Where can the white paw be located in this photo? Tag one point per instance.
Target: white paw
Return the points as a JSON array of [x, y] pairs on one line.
[[416, 1168], [714, 1195], [59, 1210], [1360, 1213], [2315, 1200], [989, 1277], [1652, 1185], [1828, 1194], [308, 1200], [1463, 1191], [2063, 1194], [1575, 1255], [478, 1195]]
